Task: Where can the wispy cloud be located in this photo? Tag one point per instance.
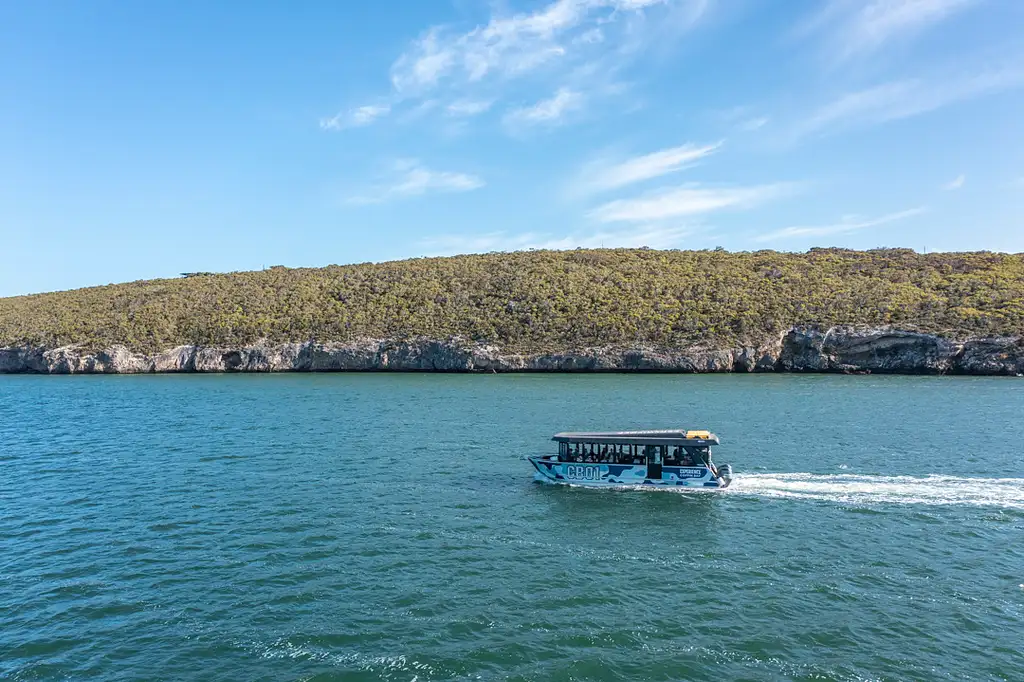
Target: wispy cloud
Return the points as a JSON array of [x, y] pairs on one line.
[[593, 36], [855, 27], [411, 178], [744, 118], [602, 176], [509, 46], [906, 98], [955, 183], [752, 124], [561, 39], [354, 118], [469, 107], [688, 200], [846, 224], [548, 111], [654, 236]]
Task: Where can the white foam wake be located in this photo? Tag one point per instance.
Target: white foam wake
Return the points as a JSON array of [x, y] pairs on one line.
[[1007, 493]]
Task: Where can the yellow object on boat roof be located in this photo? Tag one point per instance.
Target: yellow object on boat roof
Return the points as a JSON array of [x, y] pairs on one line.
[[698, 434]]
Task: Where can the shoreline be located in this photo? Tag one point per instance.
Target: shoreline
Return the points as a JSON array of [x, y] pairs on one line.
[[840, 349]]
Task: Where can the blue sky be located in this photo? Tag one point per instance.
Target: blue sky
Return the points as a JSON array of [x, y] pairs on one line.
[[141, 140]]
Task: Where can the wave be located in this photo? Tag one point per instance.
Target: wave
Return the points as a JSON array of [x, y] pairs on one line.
[[1006, 493]]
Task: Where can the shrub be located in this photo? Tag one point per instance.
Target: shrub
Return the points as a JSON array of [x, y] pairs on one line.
[[541, 300]]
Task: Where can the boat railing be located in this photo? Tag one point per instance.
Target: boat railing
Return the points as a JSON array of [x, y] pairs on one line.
[[557, 458]]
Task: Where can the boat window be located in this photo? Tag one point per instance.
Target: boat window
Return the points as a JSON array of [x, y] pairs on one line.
[[572, 452], [626, 454], [700, 456], [587, 453]]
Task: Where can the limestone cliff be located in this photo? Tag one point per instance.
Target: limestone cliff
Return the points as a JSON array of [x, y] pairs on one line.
[[801, 349]]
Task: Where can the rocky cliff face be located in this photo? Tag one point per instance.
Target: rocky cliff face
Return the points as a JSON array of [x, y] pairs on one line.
[[801, 349]]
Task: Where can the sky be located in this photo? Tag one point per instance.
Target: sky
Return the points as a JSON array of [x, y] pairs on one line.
[[143, 140]]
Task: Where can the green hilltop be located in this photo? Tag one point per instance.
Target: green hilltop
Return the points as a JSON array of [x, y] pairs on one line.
[[541, 300]]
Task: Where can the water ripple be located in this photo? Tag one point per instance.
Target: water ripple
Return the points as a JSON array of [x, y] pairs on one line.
[[259, 528]]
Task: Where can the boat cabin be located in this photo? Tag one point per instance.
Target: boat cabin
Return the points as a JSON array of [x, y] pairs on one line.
[[653, 449]]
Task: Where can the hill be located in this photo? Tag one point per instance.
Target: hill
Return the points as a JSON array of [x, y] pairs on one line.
[[541, 301]]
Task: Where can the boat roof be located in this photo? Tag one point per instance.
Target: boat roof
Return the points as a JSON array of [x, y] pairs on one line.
[[652, 437]]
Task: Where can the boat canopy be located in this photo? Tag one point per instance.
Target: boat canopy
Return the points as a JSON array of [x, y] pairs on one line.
[[662, 437]]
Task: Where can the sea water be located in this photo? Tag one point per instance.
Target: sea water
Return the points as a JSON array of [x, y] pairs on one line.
[[387, 527]]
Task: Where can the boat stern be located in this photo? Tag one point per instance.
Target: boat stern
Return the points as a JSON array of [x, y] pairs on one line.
[[725, 475]]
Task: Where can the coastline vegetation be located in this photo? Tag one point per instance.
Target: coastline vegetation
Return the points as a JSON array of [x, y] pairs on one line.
[[541, 300]]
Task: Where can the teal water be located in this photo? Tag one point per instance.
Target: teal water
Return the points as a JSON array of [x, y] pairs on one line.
[[386, 527]]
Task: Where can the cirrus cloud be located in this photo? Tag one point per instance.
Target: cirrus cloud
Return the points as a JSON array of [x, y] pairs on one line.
[[547, 111], [508, 46], [846, 224], [956, 183], [910, 97], [410, 178], [604, 175], [469, 107], [856, 27], [354, 118], [582, 43], [688, 200]]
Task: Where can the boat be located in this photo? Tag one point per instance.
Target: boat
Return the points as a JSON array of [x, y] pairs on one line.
[[674, 458]]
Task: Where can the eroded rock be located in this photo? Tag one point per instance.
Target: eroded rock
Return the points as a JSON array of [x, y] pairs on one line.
[[800, 349], [866, 349]]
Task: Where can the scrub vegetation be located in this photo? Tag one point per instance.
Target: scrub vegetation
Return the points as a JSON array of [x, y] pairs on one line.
[[541, 300]]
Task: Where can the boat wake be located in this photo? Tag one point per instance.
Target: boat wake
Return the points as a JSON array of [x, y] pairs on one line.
[[1006, 493]]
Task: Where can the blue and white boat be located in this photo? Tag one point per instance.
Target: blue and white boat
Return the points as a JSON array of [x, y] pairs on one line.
[[670, 458]]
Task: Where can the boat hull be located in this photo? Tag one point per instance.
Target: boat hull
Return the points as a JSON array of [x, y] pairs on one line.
[[603, 475]]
